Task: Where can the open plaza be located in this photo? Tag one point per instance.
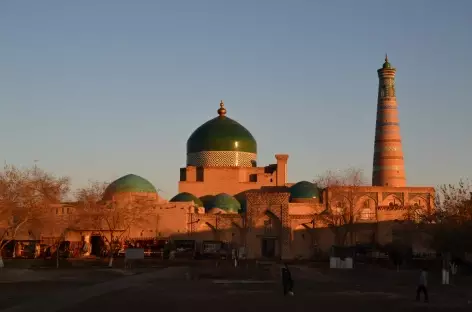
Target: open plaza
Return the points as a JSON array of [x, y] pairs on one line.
[[202, 285]]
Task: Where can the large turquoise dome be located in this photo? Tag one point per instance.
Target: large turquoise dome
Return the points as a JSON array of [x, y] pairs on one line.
[[187, 197], [129, 183], [226, 203], [304, 190], [221, 141]]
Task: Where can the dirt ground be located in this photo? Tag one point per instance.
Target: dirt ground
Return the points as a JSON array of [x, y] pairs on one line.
[[363, 289], [255, 288], [20, 285]]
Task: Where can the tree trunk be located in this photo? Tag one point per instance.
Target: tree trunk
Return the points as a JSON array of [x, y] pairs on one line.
[[57, 258], [2, 245], [337, 236], [112, 249], [344, 236], [110, 262]]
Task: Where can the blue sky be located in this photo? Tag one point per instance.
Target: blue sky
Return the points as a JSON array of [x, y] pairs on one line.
[[96, 89]]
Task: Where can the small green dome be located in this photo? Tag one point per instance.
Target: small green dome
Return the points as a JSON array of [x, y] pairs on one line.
[[226, 202], [187, 197], [304, 190], [221, 134], [207, 201], [130, 183]]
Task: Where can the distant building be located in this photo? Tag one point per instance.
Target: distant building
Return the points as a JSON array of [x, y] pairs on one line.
[[224, 196]]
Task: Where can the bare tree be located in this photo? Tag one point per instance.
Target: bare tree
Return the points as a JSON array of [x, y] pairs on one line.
[[347, 177], [452, 218], [25, 196], [449, 223], [341, 213], [454, 202], [113, 219], [92, 194]]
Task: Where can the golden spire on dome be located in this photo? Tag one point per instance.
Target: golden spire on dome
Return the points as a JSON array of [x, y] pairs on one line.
[[222, 109]]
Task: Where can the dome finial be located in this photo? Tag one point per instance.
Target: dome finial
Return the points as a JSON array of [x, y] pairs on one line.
[[387, 63], [222, 109]]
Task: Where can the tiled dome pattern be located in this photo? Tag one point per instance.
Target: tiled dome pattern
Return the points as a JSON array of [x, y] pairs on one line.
[[221, 159], [129, 183]]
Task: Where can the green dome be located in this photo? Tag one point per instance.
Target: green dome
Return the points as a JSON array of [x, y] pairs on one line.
[[187, 197], [304, 190], [207, 201], [226, 202], [221, 134], [130, 183]]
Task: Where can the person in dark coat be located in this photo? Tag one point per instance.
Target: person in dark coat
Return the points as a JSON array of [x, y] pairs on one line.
[[422, 285], [287, 281]]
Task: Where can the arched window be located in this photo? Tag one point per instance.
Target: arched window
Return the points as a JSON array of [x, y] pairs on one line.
[[268, 225], [366, 214]]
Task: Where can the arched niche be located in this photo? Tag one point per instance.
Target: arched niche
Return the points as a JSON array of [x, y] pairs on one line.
[[366, 207], [268, 222], [339, 204], [392, 199], [419, 202]]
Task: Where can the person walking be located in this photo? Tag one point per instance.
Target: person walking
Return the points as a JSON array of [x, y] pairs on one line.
[[287, 281], [422, 286]]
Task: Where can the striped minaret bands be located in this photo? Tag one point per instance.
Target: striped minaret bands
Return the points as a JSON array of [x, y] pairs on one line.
[[388, 169]]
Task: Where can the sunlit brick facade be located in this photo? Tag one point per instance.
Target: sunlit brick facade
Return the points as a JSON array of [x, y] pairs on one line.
[[225, 196]]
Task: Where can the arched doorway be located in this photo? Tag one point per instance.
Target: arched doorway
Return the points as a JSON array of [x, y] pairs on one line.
[[269, 228], [97, 243]]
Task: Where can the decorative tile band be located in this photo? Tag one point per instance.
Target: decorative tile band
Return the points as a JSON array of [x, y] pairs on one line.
[[377, 175], [386, 106], [398, 178], [387, 140], [221, 159], [380, 157], [379, 168], [387, 123], [387, 148], [387, 131]]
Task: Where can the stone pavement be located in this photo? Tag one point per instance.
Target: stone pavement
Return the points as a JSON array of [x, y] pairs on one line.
[[238, 295], [61, 300], [29, 275], [175, 289]]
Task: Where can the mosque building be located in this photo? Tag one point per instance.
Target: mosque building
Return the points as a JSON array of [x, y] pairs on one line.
[[225, 196]]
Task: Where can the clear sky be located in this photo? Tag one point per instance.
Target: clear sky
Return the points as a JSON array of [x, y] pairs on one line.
[[96, 89]]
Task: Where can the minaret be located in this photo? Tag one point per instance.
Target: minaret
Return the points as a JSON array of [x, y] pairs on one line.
[[388, 169]]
